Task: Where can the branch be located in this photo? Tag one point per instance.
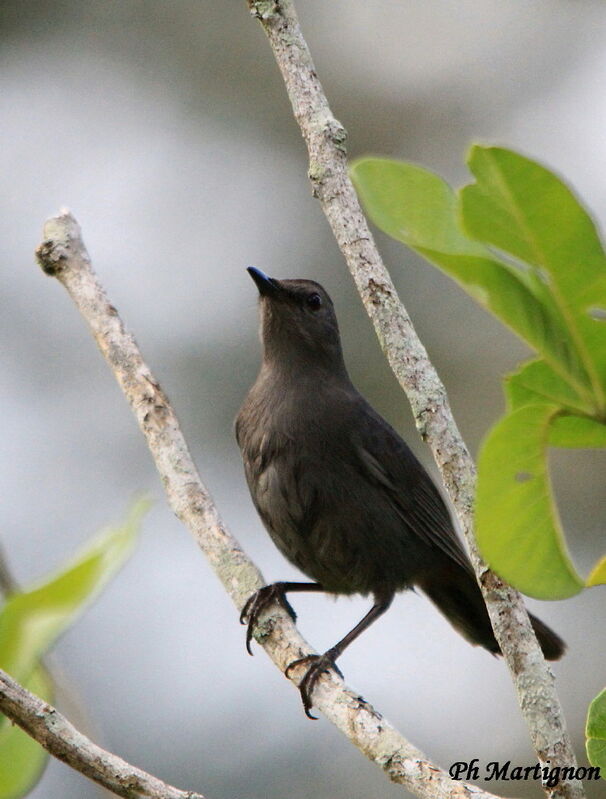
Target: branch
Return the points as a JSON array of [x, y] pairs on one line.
[[64, 256], [54, 732], [325, 138]]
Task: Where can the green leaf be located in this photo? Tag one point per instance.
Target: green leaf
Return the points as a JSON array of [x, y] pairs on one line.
[[536, 382], [517, 526], [413, 205], [523, 209], [598, 573], [22, 759], [420, 209], [31, 621], [595, 732], [577, 432]]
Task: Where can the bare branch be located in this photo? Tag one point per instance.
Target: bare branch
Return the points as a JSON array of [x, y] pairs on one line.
[[63, 255], [325, 138], [61, 739]]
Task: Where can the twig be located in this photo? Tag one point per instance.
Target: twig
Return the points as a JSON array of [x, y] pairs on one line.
[[325, 138], [54, 732], [64, 256]]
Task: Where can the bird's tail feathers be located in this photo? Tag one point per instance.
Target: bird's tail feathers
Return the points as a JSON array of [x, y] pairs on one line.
[[456, 594]]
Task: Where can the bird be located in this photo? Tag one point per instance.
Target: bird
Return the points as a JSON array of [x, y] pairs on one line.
[[339, 491]]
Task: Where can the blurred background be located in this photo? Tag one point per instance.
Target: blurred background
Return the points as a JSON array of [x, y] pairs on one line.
[[165, 128]]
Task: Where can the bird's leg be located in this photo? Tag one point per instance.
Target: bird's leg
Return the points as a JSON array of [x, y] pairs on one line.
[[322, 663], [261, 599]]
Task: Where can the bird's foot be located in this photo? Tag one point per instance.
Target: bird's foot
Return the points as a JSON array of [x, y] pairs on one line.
[[319, 665], [258, 602]]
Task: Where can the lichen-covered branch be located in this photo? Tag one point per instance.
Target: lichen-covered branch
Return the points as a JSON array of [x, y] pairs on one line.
[[63, 255], [54, 732], [325, 138]]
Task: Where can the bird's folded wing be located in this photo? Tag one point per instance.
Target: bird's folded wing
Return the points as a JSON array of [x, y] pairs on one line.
[[386, 460]]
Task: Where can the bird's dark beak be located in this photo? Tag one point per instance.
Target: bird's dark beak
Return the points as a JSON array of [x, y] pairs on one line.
[[268, 286]]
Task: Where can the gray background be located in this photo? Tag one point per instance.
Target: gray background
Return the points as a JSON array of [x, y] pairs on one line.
[[166, 129]]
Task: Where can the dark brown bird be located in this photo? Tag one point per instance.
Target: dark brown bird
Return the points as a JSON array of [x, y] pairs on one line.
[[340, 493]]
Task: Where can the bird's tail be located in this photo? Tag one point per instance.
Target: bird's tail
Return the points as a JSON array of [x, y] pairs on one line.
[[455, 592]]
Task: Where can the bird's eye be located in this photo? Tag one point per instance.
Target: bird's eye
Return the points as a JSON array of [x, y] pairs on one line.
[[314, 301]]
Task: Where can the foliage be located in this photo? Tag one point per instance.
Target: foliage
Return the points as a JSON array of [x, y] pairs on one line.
[[30, 623], [596, 732], [520, 243]]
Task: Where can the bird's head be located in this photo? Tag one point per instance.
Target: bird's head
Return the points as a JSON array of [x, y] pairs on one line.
[[298, 322]]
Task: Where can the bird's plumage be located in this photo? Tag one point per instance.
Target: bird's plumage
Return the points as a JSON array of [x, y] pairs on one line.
[[340, 493]]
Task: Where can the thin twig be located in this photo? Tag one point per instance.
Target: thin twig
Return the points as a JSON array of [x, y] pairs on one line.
[[325, 138], [63, 255], [54, 732]]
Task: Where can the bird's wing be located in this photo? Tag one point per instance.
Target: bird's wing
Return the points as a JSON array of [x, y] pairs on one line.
[[387, 460]]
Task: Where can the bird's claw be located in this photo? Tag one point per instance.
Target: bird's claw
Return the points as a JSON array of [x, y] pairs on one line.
[[319, 665], [257, 603]]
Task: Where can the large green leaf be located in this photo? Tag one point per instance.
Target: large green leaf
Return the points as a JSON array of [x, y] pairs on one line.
[[22, 759], [517, 525], [525, 210], [535, 383], [420, 209], [596, 732], [31, 621]]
